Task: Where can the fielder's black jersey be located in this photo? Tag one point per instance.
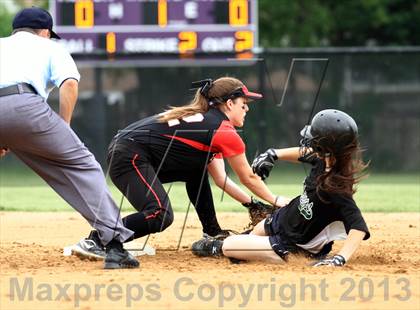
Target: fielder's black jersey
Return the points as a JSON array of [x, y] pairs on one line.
[[311, 223], [178, 147]]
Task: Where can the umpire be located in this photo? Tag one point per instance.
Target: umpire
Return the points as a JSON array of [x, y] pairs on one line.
[[30, 66]]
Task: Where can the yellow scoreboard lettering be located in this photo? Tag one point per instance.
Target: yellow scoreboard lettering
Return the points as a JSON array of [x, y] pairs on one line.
[[188, 41], [244, 40], [111, 43], [238, 12], [84, 13], [162, 13]]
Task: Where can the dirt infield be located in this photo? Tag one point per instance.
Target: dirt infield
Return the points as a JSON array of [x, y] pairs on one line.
[[384, 273]]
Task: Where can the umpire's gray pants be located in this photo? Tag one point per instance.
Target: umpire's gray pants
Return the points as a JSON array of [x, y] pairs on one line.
[[43, 141]]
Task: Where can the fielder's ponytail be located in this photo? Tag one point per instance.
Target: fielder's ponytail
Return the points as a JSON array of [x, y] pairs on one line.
[[200, 103]]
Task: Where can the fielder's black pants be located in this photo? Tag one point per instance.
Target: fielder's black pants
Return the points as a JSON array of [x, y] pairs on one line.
[[133, 174]]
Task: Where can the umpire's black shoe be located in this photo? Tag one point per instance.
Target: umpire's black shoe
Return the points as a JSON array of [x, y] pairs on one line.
[[118, 258], [207, 247]]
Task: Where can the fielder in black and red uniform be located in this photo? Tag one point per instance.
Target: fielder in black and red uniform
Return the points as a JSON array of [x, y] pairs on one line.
[[185, 144], [149, 153]]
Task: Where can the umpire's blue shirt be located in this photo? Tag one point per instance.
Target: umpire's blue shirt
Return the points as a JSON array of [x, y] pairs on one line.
[[41, 62]]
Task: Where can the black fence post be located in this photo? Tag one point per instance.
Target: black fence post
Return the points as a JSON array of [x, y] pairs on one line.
[[96, 116], [262, 107]]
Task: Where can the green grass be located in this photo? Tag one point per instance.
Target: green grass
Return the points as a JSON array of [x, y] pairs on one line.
[[22, 190]]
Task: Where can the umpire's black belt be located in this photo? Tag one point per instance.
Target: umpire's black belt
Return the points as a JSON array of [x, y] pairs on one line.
[[17, 89]]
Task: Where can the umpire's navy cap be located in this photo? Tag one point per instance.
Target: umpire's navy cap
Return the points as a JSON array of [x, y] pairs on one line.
[[35, 18]]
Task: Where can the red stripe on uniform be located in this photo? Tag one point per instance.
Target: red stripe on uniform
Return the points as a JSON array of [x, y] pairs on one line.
[[195, 144], [150, 188]]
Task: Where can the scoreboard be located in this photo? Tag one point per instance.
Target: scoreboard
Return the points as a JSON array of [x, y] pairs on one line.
[[156, 26]]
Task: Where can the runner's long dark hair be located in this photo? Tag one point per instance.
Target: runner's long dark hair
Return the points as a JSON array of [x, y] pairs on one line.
[[347, 169]]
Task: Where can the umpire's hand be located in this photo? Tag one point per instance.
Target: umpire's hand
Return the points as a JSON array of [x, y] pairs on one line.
[[263, 163], [3, 152]]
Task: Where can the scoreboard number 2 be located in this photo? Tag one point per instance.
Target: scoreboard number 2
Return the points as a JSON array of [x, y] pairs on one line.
[[187, 41], [244, 40]]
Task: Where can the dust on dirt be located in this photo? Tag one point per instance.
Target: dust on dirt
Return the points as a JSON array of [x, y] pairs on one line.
[[383, 274]]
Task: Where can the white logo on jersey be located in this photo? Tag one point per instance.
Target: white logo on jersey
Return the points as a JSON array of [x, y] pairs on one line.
[[305, 206], [196, 118]]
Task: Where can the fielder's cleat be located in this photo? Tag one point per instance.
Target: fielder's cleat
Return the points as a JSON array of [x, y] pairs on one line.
[[90, 247], [221, 235], [207, 247], [118, 258]]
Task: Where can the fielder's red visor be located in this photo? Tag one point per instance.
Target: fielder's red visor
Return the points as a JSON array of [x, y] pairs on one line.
[[243, 92]]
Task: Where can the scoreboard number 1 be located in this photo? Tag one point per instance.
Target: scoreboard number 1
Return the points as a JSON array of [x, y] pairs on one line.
[[162, 13], [111, 43], [84, 13], [238, 12]]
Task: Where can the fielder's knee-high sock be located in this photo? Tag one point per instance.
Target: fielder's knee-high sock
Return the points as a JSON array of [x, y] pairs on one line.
[[199, 192]]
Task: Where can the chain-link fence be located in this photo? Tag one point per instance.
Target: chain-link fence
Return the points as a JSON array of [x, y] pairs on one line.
[[380, 88]]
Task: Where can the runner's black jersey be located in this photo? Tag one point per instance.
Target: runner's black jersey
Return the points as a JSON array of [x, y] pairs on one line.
[[183, 145], [311, 223]]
